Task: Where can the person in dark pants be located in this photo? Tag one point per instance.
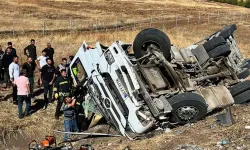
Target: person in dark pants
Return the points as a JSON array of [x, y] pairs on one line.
[[1, 65], [14, 72], [7, 60], [31, 49], [69, 117], [30, 74], [50, 52], [79, 93], [62, 89], [47, 77], [13, 50], [22, 84]]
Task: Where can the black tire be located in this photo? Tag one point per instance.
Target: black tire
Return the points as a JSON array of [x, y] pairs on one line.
[[244, 73], [151, 36], [214, 42], [187, 100], [242, 98], [240, 88], [228, 31], [222, 50]]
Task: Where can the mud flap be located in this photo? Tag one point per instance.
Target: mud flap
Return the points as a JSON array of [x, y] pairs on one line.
[[96, 118]]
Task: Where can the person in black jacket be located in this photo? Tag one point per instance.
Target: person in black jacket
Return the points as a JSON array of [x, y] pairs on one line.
[[13, 50], [50, 52], [62, 89], [30, 74], [1, 65], [31, 49], [7, 60]]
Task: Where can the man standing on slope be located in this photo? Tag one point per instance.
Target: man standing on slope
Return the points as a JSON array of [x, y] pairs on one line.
[[31, 49], [1, 65], [7, 60], [62, 89], [13, 50], [14, 72], [22, 84], [29, 74], [50, 52], [47, 76]]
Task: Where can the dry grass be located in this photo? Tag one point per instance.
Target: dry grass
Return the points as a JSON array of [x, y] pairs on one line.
[[29, 14]]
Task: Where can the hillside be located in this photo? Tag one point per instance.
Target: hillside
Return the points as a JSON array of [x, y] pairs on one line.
[[28, 15]]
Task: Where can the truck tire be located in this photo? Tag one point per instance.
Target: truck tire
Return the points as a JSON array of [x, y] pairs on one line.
[[240, 88], [151, 36], [242, 98], [244, 73], [228, 31], [214, 42], [187, 107], [222, 50]]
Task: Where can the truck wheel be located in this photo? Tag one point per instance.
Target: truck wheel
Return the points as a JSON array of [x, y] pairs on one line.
[[187, 107], [222, 50], [214, 42], [240, 88], [151, 36], [242, 98], [244, 73]]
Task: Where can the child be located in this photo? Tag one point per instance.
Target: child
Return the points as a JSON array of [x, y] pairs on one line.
[[69, 117]]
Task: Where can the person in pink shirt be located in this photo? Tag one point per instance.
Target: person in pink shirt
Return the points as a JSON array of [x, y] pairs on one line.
[[23, 91]]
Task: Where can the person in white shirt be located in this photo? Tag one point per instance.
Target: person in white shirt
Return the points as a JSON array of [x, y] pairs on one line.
[[14, 72], [41, 60]]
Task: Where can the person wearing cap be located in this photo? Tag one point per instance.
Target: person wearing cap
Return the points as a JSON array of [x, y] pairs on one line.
[[49, 52], [69, 117], [23, 91], [62, 89], [13, 50], [30, 51]]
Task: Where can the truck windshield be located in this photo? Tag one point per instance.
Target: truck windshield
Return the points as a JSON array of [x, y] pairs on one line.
[[78, 71]]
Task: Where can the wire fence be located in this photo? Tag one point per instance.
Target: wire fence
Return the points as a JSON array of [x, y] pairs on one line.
[[48, 26]]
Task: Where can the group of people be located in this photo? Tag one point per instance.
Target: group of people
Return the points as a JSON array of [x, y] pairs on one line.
[[55, 80]]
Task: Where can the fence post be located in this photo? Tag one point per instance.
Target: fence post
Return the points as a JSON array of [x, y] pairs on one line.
[[199, 20], [151, 22], [43, 26], [218, 16], [188, 20], [70, 24], [176, 21], [13, 30], [208, 18]]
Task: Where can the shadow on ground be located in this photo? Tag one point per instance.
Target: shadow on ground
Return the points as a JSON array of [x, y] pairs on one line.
[[39, 104]]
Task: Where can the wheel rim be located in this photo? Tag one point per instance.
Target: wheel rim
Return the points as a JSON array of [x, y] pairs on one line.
[[146, 44], [187, 112]]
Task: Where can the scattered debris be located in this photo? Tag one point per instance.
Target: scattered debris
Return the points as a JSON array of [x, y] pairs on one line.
[[225, 118]]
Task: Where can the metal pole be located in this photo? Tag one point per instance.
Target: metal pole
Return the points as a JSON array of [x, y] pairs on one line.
[[199, 21], [43, 26], [13, 30], [188, 20], [176, 22]]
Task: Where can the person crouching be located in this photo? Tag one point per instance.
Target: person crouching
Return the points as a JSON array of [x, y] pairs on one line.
[[69, 117]]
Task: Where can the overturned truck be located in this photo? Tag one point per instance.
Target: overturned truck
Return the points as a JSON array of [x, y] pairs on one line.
[[160, 84]]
